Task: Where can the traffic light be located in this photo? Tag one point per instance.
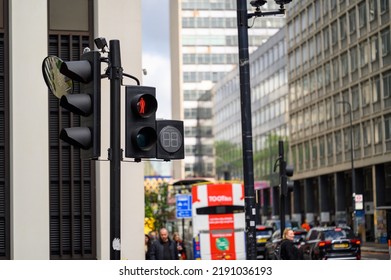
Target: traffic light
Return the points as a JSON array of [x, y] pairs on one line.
[[287, 185], [285, 172], [86, 103], [170, 143], [140, 122]]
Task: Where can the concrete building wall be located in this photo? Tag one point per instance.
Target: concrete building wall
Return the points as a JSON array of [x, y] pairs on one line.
[[29, 166]]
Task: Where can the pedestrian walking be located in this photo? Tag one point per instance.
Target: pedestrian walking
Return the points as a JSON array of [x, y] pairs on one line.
[[305, 225], [147, 246], [180, 246], [288, 248], [164, 248]]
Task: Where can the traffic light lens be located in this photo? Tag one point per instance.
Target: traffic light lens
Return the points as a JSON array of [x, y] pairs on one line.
[[145, 105], [146, 138]]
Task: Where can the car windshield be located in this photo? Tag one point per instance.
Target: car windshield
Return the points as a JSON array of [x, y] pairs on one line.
[[277, 224], [337, 234], [264, 233]]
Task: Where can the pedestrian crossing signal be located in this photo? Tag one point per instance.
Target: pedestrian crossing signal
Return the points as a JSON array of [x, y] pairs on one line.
[[140, 118]]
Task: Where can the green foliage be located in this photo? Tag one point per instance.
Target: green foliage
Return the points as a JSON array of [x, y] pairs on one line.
[[156, 205], [230, 155]]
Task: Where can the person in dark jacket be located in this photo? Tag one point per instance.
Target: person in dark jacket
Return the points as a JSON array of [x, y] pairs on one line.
[[288, 248], [147, 246], [164, 248]]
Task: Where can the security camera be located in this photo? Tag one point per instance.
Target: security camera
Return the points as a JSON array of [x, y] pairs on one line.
[[257, 3]]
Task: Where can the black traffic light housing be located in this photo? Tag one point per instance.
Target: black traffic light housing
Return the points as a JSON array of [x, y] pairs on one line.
[[147, 137], [140, 118], [286, 186], [86, 71], [170, 142]]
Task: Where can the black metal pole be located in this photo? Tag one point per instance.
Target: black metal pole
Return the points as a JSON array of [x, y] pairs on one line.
[[354, 220], [283, 185], [245, 99], [115, 76]]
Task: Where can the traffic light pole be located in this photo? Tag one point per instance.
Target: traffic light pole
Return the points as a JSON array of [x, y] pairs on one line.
[[115, 77], [283, 184], [245, 100]]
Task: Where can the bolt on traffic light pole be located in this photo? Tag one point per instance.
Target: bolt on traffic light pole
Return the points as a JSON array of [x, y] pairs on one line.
[[115, 77], [245, 100]]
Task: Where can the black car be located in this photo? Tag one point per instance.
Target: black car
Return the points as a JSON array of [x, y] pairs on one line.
[[323, 243], [275, 240], [263, 234]]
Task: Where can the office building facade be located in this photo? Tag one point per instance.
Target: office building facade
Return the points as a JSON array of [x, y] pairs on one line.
[[52, 204], [204, 48], [339, 73]]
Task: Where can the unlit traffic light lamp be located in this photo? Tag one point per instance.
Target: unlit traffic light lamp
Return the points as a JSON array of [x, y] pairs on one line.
[[170, 140], [59, 76]]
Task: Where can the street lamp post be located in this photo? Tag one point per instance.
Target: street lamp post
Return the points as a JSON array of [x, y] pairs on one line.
[[344, 102], [245, 102]]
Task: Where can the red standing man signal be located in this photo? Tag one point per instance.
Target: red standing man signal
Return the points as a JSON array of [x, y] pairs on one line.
[[141, 106]]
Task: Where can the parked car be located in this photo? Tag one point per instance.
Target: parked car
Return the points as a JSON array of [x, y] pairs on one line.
[[275, 240], [323, 243], [263, 234]]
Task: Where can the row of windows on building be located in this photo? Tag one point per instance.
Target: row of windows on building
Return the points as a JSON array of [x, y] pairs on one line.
[[358, 55], [196, 77], [200, 113], [203, 149], [266, 86], [204, 169], [201, 131], [220, 5], [317, 14], [270, 57], [225, 22], [208, 5], [193, 95], [333, 75], [210, 58], [220, 40], [365, 99], [372, 137]]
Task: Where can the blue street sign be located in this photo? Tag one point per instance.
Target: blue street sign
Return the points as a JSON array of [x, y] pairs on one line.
[[183, 206]]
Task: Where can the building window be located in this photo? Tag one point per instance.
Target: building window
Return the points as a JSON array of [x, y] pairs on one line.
[[342, 27], [364, 54], [338, 142], [372, 10], [387, 85], [377, 127], [367, 134], [344, 64], [334, 33], [352, 20], [353, 59], [365, 93], [335, 69], [374, 48], [326, 40], [387, 127], [375, 89], [384, 6], [355, 98], [385, 41], [329, 144], [362, 18]]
